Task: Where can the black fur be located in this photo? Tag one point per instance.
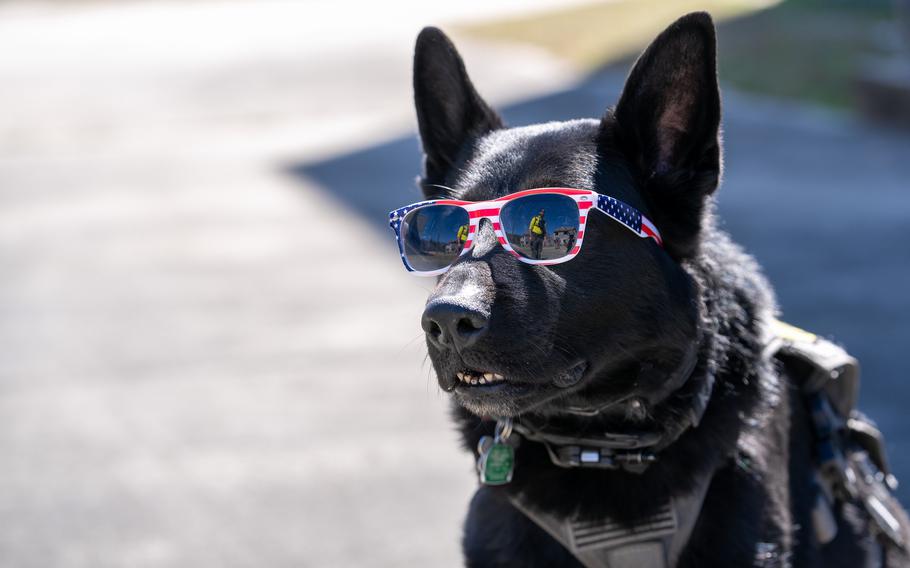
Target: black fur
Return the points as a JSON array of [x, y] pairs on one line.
[[625, 312]]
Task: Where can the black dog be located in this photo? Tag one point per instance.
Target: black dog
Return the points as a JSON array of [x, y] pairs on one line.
[[706, 447]]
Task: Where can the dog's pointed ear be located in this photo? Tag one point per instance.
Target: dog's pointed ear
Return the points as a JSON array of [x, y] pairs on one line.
[[668, 121], [450, 113]]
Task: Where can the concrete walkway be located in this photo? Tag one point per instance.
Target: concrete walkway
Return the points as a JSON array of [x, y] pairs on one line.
[[207, 361]]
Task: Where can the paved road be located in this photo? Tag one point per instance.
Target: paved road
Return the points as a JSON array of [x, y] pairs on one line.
[[194, 371]]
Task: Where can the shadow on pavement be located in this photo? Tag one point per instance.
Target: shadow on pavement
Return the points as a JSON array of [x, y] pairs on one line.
[[820, 200]]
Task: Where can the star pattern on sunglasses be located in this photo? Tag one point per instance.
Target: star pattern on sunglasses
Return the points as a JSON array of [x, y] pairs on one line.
[[396, 216], [621, 212]]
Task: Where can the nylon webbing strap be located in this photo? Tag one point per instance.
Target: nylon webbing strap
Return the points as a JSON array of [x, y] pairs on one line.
[[652, 542]]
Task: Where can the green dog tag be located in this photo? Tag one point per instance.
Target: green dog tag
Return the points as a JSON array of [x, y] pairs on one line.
[[497, 464]]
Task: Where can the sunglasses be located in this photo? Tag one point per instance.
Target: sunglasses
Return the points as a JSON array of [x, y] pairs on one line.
[[537, 226]]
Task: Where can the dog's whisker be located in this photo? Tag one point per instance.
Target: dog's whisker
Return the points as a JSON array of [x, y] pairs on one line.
[[449, 191], [417, 337]]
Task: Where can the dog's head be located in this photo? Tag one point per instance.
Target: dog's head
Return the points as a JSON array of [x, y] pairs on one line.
[[615, 322]]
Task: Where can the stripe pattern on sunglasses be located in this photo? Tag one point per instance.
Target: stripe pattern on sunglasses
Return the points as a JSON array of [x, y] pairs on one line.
[[619, 211]]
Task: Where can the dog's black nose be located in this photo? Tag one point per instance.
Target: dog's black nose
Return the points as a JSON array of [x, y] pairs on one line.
[[452, 325]]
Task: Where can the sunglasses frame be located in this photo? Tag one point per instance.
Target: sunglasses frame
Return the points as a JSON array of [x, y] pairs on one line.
[[623, 213]]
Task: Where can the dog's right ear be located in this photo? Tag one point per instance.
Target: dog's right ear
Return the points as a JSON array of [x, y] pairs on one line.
[[450, 113]]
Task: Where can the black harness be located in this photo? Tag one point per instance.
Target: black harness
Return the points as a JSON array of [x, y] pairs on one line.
[[849, 449]]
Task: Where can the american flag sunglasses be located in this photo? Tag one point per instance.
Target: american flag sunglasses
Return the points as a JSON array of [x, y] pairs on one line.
[[538, 226]]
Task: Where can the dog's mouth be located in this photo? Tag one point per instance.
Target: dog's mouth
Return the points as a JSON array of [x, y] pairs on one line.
[[487, 392]]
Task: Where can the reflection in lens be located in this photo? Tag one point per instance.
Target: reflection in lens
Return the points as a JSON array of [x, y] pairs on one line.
[[433, 236], [541, 227]]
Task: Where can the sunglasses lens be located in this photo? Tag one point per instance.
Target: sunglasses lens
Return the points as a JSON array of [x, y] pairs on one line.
[[541, 227], [433, 236]]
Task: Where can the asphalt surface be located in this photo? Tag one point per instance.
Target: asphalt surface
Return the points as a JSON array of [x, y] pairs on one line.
[[212, 356]]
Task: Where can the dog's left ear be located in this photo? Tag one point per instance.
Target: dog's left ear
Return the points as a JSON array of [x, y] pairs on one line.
[[450, 113], [667, 122]]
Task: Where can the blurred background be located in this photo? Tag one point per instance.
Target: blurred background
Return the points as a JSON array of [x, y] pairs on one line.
[[211, 354]]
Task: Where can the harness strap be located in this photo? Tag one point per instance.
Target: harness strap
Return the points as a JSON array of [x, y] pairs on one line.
[[653, 542], [851, 463]]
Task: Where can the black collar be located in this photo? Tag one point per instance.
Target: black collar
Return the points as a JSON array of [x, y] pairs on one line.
[[630, 451]]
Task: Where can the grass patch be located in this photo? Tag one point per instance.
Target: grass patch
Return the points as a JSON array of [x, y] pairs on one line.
[[804, 49], [593, 35]]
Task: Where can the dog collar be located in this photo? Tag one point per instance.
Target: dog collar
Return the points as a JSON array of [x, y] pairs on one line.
[[629, 451]]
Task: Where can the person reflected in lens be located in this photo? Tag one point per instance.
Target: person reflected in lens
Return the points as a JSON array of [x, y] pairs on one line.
[[537, 231], [434, 236], [570, 241], [462, 235]]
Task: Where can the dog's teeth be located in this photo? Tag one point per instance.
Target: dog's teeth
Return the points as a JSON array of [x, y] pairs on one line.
[[482, 381], [473, 381], [460, 376], [498, 377], [488, 376]]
